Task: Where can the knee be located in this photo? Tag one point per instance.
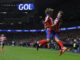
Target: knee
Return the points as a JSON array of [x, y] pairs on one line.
[[56, 39]]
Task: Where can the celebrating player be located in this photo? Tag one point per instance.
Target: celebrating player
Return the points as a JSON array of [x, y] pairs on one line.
[[52, 28], [55, 26], [48, 22], [2, 38]]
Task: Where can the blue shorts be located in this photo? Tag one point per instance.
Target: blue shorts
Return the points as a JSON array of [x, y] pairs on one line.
[[2, 44], [51, 34]]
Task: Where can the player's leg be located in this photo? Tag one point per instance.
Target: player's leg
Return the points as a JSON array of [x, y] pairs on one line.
[[39, 43], [63, 49], [60, 53], [45, 40], [59, 44], [54, 36], [58, 41], [2, 46]]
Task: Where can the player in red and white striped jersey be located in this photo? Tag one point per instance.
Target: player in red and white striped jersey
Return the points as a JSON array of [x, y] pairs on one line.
[[55, 26], [48, 22], [2, 39]]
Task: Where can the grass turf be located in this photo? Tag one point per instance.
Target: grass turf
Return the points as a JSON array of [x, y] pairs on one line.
[[22, 53]]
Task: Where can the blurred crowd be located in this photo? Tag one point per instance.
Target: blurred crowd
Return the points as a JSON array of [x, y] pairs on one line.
[[29, 38], [70, 36]]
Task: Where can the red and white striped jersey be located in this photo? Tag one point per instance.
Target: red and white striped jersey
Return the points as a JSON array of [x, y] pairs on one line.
[[2, 38], [48, 21], [58, 20]]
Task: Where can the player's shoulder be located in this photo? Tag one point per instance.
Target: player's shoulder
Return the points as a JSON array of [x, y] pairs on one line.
[[56, 19]]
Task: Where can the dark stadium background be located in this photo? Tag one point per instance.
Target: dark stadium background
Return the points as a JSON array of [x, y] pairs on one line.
[[11, 18]]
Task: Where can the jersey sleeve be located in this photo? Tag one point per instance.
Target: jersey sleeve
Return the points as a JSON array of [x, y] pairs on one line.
[[46, 18], [56, 20]]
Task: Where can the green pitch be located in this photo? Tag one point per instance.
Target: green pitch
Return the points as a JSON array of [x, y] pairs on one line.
[[22, 53]]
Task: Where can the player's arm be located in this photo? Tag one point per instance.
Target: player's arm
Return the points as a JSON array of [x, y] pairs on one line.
[[46, 19], [55, 23], [44, 22], [59, 15]]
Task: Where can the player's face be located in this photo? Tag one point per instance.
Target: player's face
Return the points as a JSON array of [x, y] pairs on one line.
[[59, 14]]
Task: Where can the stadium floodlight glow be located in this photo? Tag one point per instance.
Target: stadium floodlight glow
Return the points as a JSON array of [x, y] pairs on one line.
[[78, 26], [62, 29], [29, 6], [3, 12], [71, 28], [1, 23]]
